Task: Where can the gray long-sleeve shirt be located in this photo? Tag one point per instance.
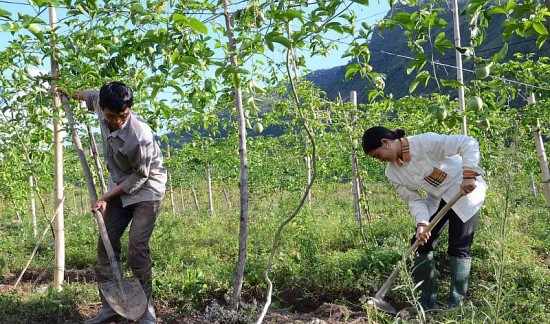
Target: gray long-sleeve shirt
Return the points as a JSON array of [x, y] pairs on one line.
[[134, 159]]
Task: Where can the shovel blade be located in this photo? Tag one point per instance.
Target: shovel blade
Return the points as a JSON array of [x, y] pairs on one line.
[[382, 305], [130, 303]]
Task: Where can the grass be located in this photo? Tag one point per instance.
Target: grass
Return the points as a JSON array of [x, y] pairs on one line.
[[321, 258]]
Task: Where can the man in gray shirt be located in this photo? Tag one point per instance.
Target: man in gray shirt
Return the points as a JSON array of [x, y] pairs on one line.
[[137, 182]]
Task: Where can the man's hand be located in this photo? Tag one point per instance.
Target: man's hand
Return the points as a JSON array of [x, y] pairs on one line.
[[421, 234], [100, 205], [62, 93], [467, 186]]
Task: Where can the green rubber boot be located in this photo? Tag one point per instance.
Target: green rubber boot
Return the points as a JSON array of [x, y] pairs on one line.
[[424, 273], [460, 275], [106, 314], [145, 277]]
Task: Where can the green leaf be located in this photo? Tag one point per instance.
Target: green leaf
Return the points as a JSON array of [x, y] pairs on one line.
[[539, 28], [36, 31], [193, 23], [282, 40], [541, 39], [442, 43], [292, 14], [197, 25], [501, 54], [5, 13], [362, 2], [404, 18], [451, 83], [423, 77], [190, 60], [351, 70]]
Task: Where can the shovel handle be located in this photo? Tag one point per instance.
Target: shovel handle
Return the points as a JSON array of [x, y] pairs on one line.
[[108, 247], [384, 289]]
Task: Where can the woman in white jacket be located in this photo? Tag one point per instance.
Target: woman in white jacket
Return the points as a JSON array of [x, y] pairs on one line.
[[427, 171]]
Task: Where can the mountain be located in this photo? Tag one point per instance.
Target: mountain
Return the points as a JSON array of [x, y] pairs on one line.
[[390, 55]]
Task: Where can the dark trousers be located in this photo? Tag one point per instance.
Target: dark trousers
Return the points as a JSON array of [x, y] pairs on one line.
[[461, 235], [143, 217]]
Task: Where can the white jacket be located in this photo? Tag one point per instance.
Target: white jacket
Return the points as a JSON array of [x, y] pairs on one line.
[[449, 153]]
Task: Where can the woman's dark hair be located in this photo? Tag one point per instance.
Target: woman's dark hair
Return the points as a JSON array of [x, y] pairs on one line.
[[116, 96], [372, 138]]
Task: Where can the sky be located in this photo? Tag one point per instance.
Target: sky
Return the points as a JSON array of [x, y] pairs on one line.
[[374, 12]]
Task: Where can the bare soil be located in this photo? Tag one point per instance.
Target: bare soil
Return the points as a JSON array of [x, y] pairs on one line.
[[314, 310]]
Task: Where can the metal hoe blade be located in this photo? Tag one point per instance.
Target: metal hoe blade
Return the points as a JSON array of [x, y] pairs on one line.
[[130, 302], [382, 305]]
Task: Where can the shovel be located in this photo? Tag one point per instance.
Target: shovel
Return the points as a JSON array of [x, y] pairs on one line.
[[124, 295], [378, 299]]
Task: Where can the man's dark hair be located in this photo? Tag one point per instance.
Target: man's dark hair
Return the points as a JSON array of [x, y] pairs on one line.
[[116, 96]]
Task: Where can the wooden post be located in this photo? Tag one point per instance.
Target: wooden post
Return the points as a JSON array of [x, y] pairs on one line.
[[170, 182], [209, 186], [541, 152], [58, 168]]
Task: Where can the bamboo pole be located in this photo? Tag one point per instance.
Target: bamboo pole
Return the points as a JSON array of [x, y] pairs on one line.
[[58, 168], [541, 152], [459, 76]]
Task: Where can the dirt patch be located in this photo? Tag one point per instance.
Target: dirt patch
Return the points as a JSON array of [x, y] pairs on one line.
[[295, 307]]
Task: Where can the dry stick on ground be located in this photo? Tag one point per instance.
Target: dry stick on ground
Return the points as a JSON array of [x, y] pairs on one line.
[[195, 197], [182, 199], [298, 208], [227, 201], [39, 241]]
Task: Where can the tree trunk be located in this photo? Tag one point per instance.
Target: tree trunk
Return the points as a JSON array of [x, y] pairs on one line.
[[81, 155], [97, 161], [33, 206], [243, 219], [541, 152], [58, 168]]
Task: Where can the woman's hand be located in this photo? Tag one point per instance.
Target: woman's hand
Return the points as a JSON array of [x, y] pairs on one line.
[[422, 235], [467, 186]]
